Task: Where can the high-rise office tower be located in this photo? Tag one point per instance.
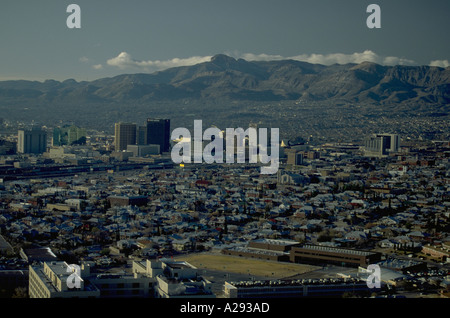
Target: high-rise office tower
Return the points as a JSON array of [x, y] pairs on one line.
[[379, 145], [68, 135], [294, 157], [392, 142], [141, 135], [124, 135], [76, 135], [32, 141], [58, 138], [158, 133]]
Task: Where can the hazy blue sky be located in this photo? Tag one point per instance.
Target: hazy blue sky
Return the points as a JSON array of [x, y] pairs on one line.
[[129, 36]]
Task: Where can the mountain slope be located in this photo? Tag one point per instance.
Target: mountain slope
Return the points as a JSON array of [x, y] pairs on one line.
[[226, 77], [302, 98]]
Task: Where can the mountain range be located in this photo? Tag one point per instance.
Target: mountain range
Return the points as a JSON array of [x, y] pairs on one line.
[[228, 81], [226, 77]]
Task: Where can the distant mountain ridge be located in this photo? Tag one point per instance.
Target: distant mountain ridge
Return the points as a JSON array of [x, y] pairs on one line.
[[336, 102], [238, 79]]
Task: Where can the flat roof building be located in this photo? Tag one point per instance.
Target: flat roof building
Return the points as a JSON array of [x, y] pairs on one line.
[[51, 280], [331, 287], [31, 141], [124, 200], [158, 133], [316, 254], [380, 145], [267, 249], [124, 135], [57, 279], [273, 244], [258, 253], [174, 279], [143, 150], [124, 286], [38, 254]]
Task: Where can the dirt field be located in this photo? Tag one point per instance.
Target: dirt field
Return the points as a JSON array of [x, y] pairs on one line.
[[245, 266]]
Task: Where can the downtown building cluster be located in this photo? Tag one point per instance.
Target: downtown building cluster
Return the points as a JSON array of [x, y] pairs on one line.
[[117, 208]]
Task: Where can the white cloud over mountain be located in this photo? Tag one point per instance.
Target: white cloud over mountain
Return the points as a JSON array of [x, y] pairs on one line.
[[334, 58], [125, 61], [440, 63]]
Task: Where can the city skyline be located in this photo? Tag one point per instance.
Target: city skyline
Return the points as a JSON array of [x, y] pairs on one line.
[[119, 37], [120, 179]]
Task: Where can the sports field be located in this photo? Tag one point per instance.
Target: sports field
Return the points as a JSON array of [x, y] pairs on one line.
[[246, 266]]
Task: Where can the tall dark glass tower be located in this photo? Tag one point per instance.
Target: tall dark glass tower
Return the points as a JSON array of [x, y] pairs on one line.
[[158, 133]]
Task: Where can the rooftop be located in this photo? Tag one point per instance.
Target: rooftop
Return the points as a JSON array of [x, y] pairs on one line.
[[276, 242], [297, 282], [337, 250], [178, 265]]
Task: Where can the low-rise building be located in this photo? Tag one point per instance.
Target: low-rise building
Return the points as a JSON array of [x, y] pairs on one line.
[[440, 251], [123, 200], [54, 280], [317, 254], [335, 287], [267, 249], [124, 286], [57, 279], [174, 279]]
